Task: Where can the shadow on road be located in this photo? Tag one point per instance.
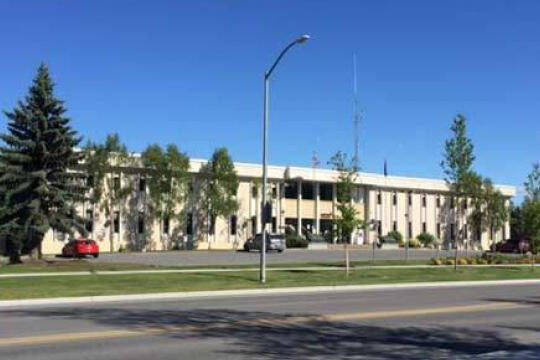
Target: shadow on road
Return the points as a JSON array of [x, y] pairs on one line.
[[276, 336]]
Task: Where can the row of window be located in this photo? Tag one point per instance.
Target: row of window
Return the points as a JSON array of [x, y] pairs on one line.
[[424, 200], [141, 223]]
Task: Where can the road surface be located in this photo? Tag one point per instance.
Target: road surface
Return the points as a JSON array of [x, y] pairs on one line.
[[448, 323]]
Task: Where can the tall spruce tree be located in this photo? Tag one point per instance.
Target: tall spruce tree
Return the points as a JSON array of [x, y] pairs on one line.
[[457, 167], [39, 159]]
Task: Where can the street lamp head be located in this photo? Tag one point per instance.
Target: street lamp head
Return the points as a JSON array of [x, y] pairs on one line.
[[303, 39]]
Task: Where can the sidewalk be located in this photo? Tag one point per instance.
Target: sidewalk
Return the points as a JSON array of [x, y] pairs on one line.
[[217, 270]]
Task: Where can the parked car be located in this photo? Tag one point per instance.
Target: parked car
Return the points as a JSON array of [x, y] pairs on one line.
[[513, 246], [273, 242], [80, 248]]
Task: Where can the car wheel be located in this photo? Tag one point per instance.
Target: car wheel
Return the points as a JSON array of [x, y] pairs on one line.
[[96, 256], [280, 251], [246, 247]]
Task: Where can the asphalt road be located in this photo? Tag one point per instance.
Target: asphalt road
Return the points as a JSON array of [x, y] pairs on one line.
[[208, 258], [449, 323]]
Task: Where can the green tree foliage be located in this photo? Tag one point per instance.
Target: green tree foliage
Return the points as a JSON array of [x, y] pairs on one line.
[[427, 239], [457, 164], [39, 149], [168, 182], [531, 221], [219, 186], [489, 205], [105, 164], [532, 185], [348, 220]]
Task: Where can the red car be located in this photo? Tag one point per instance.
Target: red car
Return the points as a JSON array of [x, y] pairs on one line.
[[513, 246], [81, 248]]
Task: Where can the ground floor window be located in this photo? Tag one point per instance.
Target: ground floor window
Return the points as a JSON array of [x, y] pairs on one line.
[[89, 220], [410, 230], [308, 226], [274, 224], [292, 225], [189, 224], [140, 223], [166, 225], [232, 224], [327, 229], [116, 222]]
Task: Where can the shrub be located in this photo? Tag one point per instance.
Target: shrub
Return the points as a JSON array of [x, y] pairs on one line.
[[414, 243], [462, 261], [426, 239], [295, 241], [436, 261], [449, 262], [396, 236]]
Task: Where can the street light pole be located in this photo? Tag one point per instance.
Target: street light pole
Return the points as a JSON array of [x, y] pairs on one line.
[[267, 75]]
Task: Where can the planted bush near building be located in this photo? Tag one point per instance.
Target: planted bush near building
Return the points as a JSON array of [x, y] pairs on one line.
[[427, 240], [295, 241]]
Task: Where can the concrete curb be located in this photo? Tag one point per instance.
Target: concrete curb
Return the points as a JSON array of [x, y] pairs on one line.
[[254, 292], [217, 270]]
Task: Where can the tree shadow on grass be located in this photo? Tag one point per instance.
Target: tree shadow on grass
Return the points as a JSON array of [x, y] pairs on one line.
[[272, 336]]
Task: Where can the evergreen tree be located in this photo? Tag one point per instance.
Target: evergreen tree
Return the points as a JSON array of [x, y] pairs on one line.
[[39, 158], [532, 185], [457, 167]]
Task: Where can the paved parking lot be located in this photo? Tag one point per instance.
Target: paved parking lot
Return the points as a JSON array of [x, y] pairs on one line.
[[208, 258]]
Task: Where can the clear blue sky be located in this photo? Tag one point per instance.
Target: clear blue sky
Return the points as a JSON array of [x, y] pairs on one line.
[[190, 73]]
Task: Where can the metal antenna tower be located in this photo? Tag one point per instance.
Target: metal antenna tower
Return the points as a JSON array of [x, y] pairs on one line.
[[356, 115]]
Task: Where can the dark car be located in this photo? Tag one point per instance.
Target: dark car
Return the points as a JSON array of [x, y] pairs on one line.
[[513, 246], [273, 242], [80, 248]]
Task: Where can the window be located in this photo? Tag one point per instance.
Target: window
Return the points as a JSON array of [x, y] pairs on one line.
[[453, 232], [465, 231], [140, 223], [410, 199], [452, 202], [326, 192], [424, 227], [291, 190], [394, 199], [307, 191], [212, 224], [90, 181], [116, 222], [116, 183], [379, 227], [253, 226], [424, 201], [142, 185], [379, 198], [274, 225], [232, 224], [189, 224], [394, 226], [274, 192], [166, 225], [439, 230], [89, 220], [410, 230], [438, 201], [465, 204], [254, 191]]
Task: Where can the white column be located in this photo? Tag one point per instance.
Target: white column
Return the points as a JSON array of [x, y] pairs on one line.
[[334, 210], [298, 207], [317, 209]]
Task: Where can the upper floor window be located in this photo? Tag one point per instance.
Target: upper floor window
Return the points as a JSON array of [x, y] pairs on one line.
[[307, 191], [438, 201], [379, 198], [326, 192], [424, 200], [291, 190], [116, 183], [409, 199], [142, 184], [394, 199]]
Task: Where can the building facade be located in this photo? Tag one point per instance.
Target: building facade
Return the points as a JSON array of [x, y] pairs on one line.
[[303, 200]]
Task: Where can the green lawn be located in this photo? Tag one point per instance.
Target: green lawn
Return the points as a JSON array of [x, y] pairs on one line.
[[22, 288]]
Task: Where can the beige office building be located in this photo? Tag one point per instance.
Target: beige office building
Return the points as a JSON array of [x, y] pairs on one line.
[[303, 199]]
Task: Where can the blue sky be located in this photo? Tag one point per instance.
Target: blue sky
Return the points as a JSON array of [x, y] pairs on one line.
[[190, 73]]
